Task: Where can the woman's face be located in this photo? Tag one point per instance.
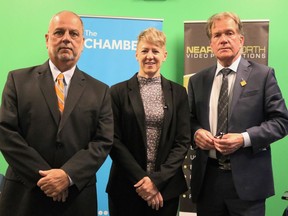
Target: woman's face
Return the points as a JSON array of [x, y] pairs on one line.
[[150, 58]]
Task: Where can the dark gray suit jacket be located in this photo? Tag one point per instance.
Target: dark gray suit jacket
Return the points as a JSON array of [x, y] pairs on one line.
[[129, 147], [34, 137], [257, 108]]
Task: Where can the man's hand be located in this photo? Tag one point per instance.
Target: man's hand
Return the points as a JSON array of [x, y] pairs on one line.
[[53, 183], [62, 196], [146, 188], [204, 139], [229, 143]]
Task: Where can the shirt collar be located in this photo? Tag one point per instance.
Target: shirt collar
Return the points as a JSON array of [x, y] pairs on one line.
[[233, 66], [67, 74]]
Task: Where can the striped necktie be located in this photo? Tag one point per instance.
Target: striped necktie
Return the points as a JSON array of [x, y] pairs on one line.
[[59, 88], [223, 102]]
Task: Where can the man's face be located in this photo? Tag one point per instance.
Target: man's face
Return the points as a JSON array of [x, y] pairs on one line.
[[64, 40], [225, 41], [150, 58]]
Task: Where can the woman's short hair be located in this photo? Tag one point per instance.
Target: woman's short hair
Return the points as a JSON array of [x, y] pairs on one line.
[[152, 35]]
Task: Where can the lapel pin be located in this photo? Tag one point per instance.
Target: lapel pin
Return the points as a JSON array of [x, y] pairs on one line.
[[243, 82]]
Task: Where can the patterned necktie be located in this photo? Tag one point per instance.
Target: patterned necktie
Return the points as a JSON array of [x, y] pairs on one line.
[[223, 101], [59, 88]]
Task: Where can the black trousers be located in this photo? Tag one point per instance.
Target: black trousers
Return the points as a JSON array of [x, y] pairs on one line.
[[17, 200], [138, 207], [219, 196]]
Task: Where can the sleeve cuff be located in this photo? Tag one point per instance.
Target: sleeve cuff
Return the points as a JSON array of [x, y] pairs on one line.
[[70, 181], [247, 141]]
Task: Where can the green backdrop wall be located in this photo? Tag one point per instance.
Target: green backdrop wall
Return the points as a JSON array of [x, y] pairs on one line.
[[24, 23]]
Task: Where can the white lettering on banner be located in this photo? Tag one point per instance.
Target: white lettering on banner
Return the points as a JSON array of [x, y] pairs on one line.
[[92, 43], [205, 52], [201, 55], [254, 55], [110, 44], [254, 49], [90, 33]]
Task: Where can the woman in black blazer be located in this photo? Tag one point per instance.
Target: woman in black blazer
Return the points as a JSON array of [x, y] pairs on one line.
[[152, 136]]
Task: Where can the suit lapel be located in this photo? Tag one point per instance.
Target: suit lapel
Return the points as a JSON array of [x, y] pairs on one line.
[[207, 82], [77, 85], [242, 74], [137, 104], [168, 110], [46, 85]]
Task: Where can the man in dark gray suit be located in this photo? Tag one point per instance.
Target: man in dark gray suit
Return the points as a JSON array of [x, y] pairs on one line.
[[53, 154], [232, 171]]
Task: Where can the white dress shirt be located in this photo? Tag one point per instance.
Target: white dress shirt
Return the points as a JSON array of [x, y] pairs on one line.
[[67, 76], [213, 103]]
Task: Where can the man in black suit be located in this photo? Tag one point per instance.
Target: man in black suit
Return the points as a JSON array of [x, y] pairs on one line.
[[53, 154], [232, 171]]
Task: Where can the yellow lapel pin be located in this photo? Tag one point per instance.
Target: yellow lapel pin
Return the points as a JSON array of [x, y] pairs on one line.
[[243, 82]]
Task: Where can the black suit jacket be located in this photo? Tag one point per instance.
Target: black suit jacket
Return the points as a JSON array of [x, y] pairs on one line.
[[257, 108], [34, 137], [129, 147]]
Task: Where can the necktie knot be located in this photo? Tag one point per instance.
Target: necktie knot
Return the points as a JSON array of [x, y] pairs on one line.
[[60, 77], [225, 71]]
